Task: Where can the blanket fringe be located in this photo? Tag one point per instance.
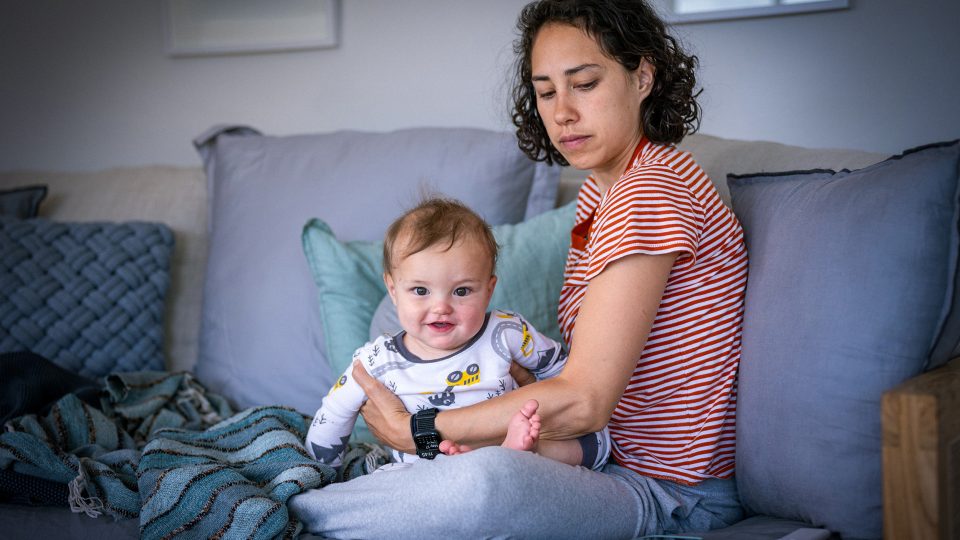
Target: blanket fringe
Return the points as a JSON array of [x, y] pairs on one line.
[[190, 399], [91, 506], [375, 458]]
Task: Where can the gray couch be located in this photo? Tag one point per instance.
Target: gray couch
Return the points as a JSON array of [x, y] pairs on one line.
[[851, 296]]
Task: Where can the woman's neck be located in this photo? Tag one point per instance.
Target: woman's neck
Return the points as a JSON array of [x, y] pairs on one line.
[[608, 176]]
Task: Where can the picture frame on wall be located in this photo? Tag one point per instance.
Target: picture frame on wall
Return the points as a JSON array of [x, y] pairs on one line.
[[695, 11], [217, 27]]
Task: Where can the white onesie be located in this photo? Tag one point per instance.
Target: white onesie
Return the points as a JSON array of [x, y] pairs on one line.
[[479, 371]]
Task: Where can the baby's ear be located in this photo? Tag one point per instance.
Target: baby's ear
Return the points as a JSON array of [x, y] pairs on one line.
[[493, 283], [391, 287]]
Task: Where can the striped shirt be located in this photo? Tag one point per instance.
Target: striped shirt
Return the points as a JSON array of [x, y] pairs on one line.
[[676, 417]]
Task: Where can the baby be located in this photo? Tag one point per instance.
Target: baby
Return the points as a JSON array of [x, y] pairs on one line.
[[438, 261]]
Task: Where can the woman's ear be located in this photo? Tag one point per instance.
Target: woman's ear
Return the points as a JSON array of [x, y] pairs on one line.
[[645, 77]]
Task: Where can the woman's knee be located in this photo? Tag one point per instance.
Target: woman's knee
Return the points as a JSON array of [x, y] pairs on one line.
[[487, 478]]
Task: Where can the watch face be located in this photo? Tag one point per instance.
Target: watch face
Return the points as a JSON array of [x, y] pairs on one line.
[[425, 435], [428, 445]]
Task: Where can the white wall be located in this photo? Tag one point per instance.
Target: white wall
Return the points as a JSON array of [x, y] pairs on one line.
[[881, 76], [86, 85]]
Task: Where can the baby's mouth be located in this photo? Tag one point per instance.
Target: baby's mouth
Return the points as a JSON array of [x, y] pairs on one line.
[[441, 325]]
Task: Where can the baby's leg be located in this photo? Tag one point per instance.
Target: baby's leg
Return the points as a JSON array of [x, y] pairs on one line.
[[569, 451]]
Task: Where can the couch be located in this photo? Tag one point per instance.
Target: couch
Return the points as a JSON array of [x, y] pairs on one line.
[[846, 386]]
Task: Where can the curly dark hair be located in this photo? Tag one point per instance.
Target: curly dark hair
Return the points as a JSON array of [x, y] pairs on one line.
[[627, 31]]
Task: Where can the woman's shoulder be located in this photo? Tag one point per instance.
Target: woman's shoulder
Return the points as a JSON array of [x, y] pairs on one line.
[[664, 161], [658, 171]]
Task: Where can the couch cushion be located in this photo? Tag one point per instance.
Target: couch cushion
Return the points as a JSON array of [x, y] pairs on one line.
[[719, 157], [763, 528], [22, 202], [88, 296], [851, 287], [32, 522], [261, 338]]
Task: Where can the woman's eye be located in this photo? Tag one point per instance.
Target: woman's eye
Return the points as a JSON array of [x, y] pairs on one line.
[[586, 86], [461, 291], [545, 95], [420, 291]]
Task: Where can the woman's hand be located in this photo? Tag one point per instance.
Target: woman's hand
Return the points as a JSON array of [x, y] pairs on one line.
[[384, 413], [521, 374]]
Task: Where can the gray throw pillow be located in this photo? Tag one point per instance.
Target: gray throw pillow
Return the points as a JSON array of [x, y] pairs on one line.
[[851, 288], [23, 202], [87, 296], [261, 340]]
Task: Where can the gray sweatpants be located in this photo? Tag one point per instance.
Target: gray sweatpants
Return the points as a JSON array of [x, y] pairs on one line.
[[499, 493]]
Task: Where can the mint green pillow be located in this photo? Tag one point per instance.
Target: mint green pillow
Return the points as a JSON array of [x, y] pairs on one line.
[[350, 285]]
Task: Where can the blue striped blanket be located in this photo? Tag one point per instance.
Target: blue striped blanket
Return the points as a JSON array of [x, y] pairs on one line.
[[163, 448]]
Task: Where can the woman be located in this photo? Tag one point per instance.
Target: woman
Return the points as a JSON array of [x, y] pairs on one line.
[[651, 309]]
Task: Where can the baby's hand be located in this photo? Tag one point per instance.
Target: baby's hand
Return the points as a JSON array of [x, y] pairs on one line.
[[451, 448]]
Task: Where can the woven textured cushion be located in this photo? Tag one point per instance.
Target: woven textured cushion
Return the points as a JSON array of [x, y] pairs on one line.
[[852, 290], [88, 296]]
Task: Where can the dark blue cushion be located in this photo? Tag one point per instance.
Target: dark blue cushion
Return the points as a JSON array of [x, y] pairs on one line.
[[851, 290], [87, 296], [22, 202]]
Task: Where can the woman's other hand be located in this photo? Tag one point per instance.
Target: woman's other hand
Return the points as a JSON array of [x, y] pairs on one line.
[[384, 413], [521, 374]]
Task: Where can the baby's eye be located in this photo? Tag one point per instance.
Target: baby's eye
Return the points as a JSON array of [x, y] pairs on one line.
[[419, 291], [461, 291]]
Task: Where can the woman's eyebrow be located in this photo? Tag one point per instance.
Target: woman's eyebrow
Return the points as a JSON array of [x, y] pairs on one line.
[[567, 73]]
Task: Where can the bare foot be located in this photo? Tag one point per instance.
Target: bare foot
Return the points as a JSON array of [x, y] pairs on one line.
[[523, 432]]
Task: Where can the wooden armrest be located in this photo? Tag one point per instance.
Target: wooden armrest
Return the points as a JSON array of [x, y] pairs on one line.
[[921, 456]]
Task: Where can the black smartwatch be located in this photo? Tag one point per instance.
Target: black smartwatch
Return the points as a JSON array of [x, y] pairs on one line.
[[425, 434]]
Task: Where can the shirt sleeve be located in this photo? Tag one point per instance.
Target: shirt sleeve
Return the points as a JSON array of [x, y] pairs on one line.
[[543, 356], [333, 423], [651, 211]]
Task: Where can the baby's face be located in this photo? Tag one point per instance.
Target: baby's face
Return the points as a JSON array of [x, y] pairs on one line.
[[442, 296]]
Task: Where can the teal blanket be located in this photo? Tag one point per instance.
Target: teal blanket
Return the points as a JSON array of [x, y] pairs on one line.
[[163, 448]]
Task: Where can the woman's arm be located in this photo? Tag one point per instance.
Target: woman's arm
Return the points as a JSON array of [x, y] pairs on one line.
[[612, 326]]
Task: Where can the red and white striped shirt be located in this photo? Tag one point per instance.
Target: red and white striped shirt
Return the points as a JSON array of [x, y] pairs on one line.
[[676, 418]]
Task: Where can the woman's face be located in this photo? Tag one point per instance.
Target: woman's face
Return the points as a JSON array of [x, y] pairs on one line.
[[589, 103]]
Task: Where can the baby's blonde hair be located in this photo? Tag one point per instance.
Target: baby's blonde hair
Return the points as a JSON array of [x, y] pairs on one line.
[[435, 220]]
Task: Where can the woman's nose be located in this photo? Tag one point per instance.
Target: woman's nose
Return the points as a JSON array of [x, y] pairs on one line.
[[565, 112]]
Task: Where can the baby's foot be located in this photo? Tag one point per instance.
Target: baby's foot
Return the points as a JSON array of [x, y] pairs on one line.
[[523, 432]]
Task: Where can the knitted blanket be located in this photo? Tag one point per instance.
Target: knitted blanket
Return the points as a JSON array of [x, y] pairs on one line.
[[163, 448]]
